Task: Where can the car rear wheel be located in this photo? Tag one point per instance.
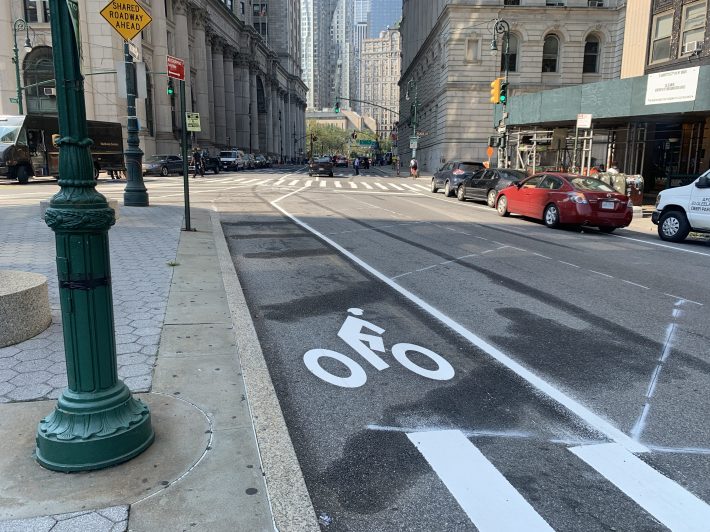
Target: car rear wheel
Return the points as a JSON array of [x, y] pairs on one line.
[[607, 229], [502, 206], [461, 193], [164, 171], [447, 189], [551, 216], [491, 198], [673, 226], [434, 188]]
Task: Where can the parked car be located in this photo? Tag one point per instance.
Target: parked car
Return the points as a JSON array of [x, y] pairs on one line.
[[485, 184], [451, 174], [341, 161], [162, 165], [557, 198], [261, 161], [232, 160], [681, 210], [321, 166], [250, 161]]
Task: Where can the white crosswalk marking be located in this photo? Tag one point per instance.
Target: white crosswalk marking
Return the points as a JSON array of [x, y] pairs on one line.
[[396, 187], [338, 184], [422, 187], [489, 500], [367, 186], [292, 183], [410, 187], [380, 185], [353, 184], [323, 184], [309, 182], [665, 500]]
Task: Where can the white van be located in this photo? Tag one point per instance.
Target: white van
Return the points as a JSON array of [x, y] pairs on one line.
[[683, 209]]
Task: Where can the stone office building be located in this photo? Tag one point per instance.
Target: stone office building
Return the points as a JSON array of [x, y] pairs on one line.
[[242, 62], [447, 57], [379, 75]]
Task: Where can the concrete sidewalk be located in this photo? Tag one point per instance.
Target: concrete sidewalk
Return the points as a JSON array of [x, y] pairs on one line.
[[185, 344]]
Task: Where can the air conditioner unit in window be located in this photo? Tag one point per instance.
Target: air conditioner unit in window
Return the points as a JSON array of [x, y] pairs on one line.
[[596, 3], [554, 4], [50, 91], [694, 46]]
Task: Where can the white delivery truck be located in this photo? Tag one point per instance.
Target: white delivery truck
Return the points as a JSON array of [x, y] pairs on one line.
[[683, 209]]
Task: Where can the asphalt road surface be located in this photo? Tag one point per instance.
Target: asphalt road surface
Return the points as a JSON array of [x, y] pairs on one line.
[[442, 368]]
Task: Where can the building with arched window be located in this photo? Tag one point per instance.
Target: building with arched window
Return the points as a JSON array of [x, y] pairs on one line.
[[447, 55], [229, 52]]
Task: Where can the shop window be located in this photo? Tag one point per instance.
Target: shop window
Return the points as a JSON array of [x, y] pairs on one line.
[[693, 27], [550, 53], [661, 37], [38, 68], [512, 55], [591, 55]]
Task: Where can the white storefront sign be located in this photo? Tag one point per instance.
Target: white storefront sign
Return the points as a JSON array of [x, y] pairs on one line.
[[584, 121], [673, 86]]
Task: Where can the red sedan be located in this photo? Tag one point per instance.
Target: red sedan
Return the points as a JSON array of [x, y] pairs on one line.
[[566, 199]]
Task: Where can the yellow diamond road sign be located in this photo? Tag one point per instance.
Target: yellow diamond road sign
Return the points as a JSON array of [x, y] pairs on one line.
[[127, 17]]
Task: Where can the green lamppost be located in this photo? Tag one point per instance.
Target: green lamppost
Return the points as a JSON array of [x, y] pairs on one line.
[[96, 422], [413, 114], [20, 25]]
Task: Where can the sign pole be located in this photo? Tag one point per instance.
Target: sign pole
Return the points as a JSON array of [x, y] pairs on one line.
[[185, 172], [135, 193]]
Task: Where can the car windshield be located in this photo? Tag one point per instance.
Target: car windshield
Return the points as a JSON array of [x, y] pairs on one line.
[[156, 158], [8, 134], [590, 184], [470, 167], [226, 154], [323, 160], [514, 175]]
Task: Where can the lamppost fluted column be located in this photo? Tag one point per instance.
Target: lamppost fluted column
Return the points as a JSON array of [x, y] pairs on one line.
[[96, 422], [135, 194], [19, 25], [501, 27]]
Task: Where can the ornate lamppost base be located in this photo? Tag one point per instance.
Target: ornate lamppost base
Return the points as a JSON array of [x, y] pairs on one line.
[[86, 433]]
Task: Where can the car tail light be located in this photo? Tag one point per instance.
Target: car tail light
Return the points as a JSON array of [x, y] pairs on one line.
[[578, 197]]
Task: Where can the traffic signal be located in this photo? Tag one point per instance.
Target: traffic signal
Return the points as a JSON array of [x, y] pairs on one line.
[[495, 90], [171, 87], [503, 98], [337, 106], [353, 135]]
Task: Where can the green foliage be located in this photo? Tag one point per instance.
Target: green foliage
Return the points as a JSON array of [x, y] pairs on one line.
[[331, 139]]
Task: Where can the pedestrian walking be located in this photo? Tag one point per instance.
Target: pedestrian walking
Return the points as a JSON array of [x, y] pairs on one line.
[[197, 163], [356, 165], [413, 167]]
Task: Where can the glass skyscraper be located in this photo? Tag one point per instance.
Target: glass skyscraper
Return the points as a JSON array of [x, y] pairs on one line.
[[383, 14]]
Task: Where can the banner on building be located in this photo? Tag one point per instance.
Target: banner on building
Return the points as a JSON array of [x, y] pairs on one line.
[[673, 86]]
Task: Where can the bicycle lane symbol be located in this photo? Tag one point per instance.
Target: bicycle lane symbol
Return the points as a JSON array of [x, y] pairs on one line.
[[352, 333]]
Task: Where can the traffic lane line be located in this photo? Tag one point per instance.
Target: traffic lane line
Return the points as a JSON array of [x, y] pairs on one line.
[[672, 505], [483, 493], [590, 418]]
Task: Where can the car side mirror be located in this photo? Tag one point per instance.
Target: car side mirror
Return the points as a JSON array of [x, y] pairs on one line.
[[516, 184], [703, 182]]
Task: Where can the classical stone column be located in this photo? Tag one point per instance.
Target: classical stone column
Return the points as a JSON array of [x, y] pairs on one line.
[[243, 97], [164, 139], [201, 83], [220, 121], [210, 84], [269, 148], [182, 50], [229, 96], [253, 109]]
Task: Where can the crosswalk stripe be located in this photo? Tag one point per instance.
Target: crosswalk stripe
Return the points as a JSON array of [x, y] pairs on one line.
[[410, 187], [367, 186], [489, 500], [396, 187], [266, 181], [353, 184], [309, 182], [338, 184], [323, 184], [295, 181], [665, 500], [422, 187], [381, 186]]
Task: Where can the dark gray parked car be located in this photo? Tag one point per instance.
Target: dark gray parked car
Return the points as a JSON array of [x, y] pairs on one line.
[[450, 176], [484, 185], [162, 165]]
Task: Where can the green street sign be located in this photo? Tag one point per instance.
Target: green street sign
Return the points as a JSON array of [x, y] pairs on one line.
[[365, 142]]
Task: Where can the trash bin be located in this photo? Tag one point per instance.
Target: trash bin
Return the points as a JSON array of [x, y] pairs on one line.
[[634, 189]]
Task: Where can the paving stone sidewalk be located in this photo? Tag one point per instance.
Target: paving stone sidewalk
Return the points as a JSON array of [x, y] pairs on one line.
[[142, 243]]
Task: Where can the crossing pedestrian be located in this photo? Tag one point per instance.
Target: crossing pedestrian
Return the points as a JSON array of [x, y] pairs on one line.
[[356, 165]]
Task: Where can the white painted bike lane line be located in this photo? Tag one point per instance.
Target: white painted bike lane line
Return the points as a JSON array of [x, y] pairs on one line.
[[489, 500]]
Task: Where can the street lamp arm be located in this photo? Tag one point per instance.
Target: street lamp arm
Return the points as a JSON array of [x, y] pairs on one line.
[[369, 103]]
